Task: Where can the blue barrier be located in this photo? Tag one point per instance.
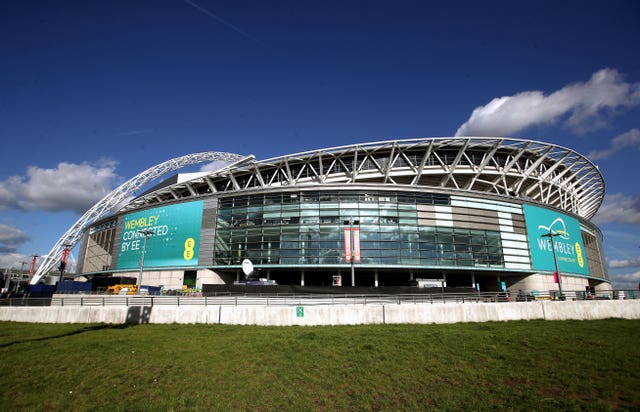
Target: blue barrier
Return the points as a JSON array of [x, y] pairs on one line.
[[73, 287]]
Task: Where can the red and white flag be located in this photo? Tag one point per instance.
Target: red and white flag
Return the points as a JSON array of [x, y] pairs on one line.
[[347, 245]]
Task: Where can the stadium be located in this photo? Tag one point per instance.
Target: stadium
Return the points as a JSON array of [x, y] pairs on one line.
[[466, 212]]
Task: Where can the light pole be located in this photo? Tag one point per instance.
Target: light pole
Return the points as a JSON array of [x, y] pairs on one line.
[[551, 235], [147, 233]]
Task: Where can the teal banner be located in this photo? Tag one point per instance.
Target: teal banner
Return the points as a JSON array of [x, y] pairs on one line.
[[567, 241], [173, 236]]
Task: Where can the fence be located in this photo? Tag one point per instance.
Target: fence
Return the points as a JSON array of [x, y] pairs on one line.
[[263, 299]]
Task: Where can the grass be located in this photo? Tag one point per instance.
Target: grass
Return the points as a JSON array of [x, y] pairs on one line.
[[536, 365]]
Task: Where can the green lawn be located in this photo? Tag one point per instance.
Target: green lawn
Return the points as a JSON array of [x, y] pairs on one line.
[[536, 365]]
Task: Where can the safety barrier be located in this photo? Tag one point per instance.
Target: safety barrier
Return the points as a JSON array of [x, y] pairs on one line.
[[266, 299], [307, 312]]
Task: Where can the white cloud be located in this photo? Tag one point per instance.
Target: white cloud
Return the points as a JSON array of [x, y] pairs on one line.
[[619, 208], [625, 280], [67, 187], [580, 106], [215, 165], [14, 261], [624, 263], [11, 238], [628, 139]]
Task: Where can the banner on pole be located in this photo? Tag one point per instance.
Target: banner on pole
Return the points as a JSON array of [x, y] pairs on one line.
[[356, 244], [347, 245]]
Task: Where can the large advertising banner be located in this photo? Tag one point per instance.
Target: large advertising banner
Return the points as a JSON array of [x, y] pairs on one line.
[[567, 241], [174, 238]]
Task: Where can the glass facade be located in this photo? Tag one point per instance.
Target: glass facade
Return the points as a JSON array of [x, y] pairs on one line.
[[306, 228]]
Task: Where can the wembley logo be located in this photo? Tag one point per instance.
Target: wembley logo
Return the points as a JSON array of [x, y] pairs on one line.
[[562, 232], [563, 246]]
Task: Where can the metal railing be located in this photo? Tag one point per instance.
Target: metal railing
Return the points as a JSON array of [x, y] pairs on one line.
[[227, 299]]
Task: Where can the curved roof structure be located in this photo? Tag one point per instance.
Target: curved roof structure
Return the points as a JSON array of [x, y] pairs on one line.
[[534, 171], [540, 172]]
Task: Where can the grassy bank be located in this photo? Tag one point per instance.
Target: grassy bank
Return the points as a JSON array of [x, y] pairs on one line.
[[589, 365]]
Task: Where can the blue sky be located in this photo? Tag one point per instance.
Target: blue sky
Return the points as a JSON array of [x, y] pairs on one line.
[[92, 93]]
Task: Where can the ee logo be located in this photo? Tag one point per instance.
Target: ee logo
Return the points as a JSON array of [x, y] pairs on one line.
[[579, 255], [189, 244]]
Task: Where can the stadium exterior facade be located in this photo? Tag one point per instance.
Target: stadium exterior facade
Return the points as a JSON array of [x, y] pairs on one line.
[[472, 212]]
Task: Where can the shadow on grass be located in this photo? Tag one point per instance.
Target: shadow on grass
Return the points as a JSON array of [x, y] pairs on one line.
[[136, 315], [70, 333]]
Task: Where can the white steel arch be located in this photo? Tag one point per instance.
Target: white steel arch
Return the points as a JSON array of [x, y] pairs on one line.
[[113, 200]]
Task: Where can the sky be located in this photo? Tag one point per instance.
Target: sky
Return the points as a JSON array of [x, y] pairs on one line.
[[93, 93]]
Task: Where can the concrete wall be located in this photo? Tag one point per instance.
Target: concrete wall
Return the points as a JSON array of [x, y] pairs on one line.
[[421, 313]]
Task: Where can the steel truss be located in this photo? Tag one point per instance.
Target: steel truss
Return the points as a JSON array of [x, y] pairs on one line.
[[525, 169]]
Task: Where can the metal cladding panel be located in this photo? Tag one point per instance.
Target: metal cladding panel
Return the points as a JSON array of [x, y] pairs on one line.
[[83, 251], [208, 232], [118, 239], [205, 254], [209, 213]]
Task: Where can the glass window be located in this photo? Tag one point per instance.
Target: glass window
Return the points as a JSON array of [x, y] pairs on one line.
[[445, 238], [329, 220], [225, 203], [369, 234], [290, 198], [406, 199], [273, 199], [329, 197], [346, 197], [308, 227], [240, 201], [309, 212], [345, 214], [329, 207], [479, 249], [309, 198]]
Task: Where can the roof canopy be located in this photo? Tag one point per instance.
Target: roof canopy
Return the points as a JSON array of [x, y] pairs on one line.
[[531, 170]]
